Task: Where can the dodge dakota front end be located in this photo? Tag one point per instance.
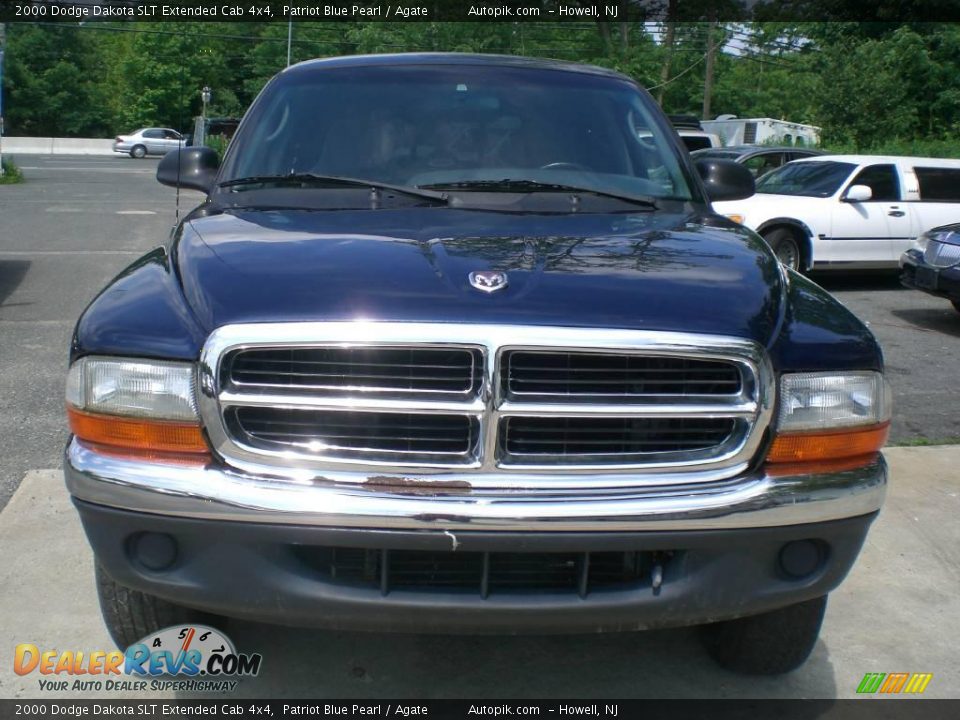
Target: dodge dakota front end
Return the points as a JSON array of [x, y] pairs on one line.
[[456, 344]]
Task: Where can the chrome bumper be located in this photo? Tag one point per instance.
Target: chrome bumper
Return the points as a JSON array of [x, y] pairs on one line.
[[217, 493]]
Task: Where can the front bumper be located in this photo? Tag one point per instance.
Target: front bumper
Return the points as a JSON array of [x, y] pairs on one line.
[[214, 492], [938, 281], [242, 543]]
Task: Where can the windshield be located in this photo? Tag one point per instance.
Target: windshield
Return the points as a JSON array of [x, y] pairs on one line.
[[433, 125], [812, 179]]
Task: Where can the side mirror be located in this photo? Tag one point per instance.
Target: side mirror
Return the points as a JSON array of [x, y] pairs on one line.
[[725, 179], [194, 168], [857, 193]]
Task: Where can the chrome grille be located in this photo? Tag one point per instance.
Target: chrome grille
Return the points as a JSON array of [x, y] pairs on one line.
[[587, 377], [483, 406], [402, 371], [940, 254], [576, 440], [347, 434]]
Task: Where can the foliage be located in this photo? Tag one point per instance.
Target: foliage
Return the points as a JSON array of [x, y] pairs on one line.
[[870, 86], [11, 173], [217, 143]]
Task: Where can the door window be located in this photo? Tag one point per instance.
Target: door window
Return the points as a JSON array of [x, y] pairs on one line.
[[153, 134], [761, 164], [882, 181]]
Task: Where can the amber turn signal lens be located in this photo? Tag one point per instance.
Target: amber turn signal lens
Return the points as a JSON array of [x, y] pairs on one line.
[[828, 446], [137, 433]]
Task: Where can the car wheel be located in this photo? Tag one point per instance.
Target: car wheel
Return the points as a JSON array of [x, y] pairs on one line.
[[130, 614], [785, 246], [773, 643], [138, 151]]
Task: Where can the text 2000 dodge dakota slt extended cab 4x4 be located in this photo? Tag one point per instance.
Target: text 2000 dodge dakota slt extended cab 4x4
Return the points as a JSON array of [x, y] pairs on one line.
[[456, 344]]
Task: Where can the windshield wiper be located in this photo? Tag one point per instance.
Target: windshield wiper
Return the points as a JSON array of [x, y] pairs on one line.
[[522, 186], [333, 181]]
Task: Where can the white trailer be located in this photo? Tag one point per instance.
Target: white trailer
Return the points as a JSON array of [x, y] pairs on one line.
[[759, 131]]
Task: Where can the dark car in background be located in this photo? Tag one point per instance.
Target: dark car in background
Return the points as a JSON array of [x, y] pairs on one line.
[[457, 344], [758, 159], [933, 266]]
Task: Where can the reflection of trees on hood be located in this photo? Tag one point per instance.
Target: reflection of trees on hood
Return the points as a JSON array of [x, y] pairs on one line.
[[655, 251]]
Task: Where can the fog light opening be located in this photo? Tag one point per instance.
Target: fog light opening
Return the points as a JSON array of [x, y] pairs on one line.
[[801, 558], [154, 551]]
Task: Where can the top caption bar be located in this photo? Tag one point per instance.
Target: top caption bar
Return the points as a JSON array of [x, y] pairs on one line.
[[614, 11]]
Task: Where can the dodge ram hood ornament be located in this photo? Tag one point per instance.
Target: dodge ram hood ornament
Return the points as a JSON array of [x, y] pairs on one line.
[[488, 281]]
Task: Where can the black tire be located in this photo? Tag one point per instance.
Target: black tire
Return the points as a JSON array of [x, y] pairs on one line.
[[786, 247], [956, 305], [130, 614], [773, 643], [138, 151]]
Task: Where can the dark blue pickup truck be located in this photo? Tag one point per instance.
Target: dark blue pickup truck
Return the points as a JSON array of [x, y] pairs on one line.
[[456, 344]]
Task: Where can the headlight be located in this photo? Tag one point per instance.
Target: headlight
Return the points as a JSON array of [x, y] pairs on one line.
[[830, 416], [134, 404], [817, 401]]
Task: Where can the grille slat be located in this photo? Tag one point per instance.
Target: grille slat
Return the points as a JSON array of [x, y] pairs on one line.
[[570, 439], [403, 371], [485, 574], [584, 377], [353, 433]]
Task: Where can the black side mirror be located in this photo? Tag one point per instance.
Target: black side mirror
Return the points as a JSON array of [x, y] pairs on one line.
[[725, 179], [193, 167]]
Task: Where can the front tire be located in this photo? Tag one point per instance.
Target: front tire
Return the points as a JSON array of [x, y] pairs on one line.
[[773, 643], [131, 615], [138, 151], [786, 247]]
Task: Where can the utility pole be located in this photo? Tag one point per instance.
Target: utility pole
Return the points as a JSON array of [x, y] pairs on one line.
[[708, 74], [289, 39]]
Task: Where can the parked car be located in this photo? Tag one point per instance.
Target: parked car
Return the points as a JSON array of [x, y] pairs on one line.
[[692, 134], [758, 159], [149, 141], [933, 265], [849, 211], [457, 343]]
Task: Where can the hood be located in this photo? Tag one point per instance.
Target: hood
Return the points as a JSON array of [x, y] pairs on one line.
[[649, 271]]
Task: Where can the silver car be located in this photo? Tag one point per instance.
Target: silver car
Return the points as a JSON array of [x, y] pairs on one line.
[[149, 141]]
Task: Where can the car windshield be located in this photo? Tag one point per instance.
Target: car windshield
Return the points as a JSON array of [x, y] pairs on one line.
[[459, 125], [812, 179]]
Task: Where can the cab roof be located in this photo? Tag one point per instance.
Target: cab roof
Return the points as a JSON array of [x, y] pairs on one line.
[[438, 58]]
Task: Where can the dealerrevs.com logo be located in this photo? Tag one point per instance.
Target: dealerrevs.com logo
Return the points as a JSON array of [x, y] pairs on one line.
[[177, 658]]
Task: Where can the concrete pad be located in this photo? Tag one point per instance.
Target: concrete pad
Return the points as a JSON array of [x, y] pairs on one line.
[[899, 611]]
